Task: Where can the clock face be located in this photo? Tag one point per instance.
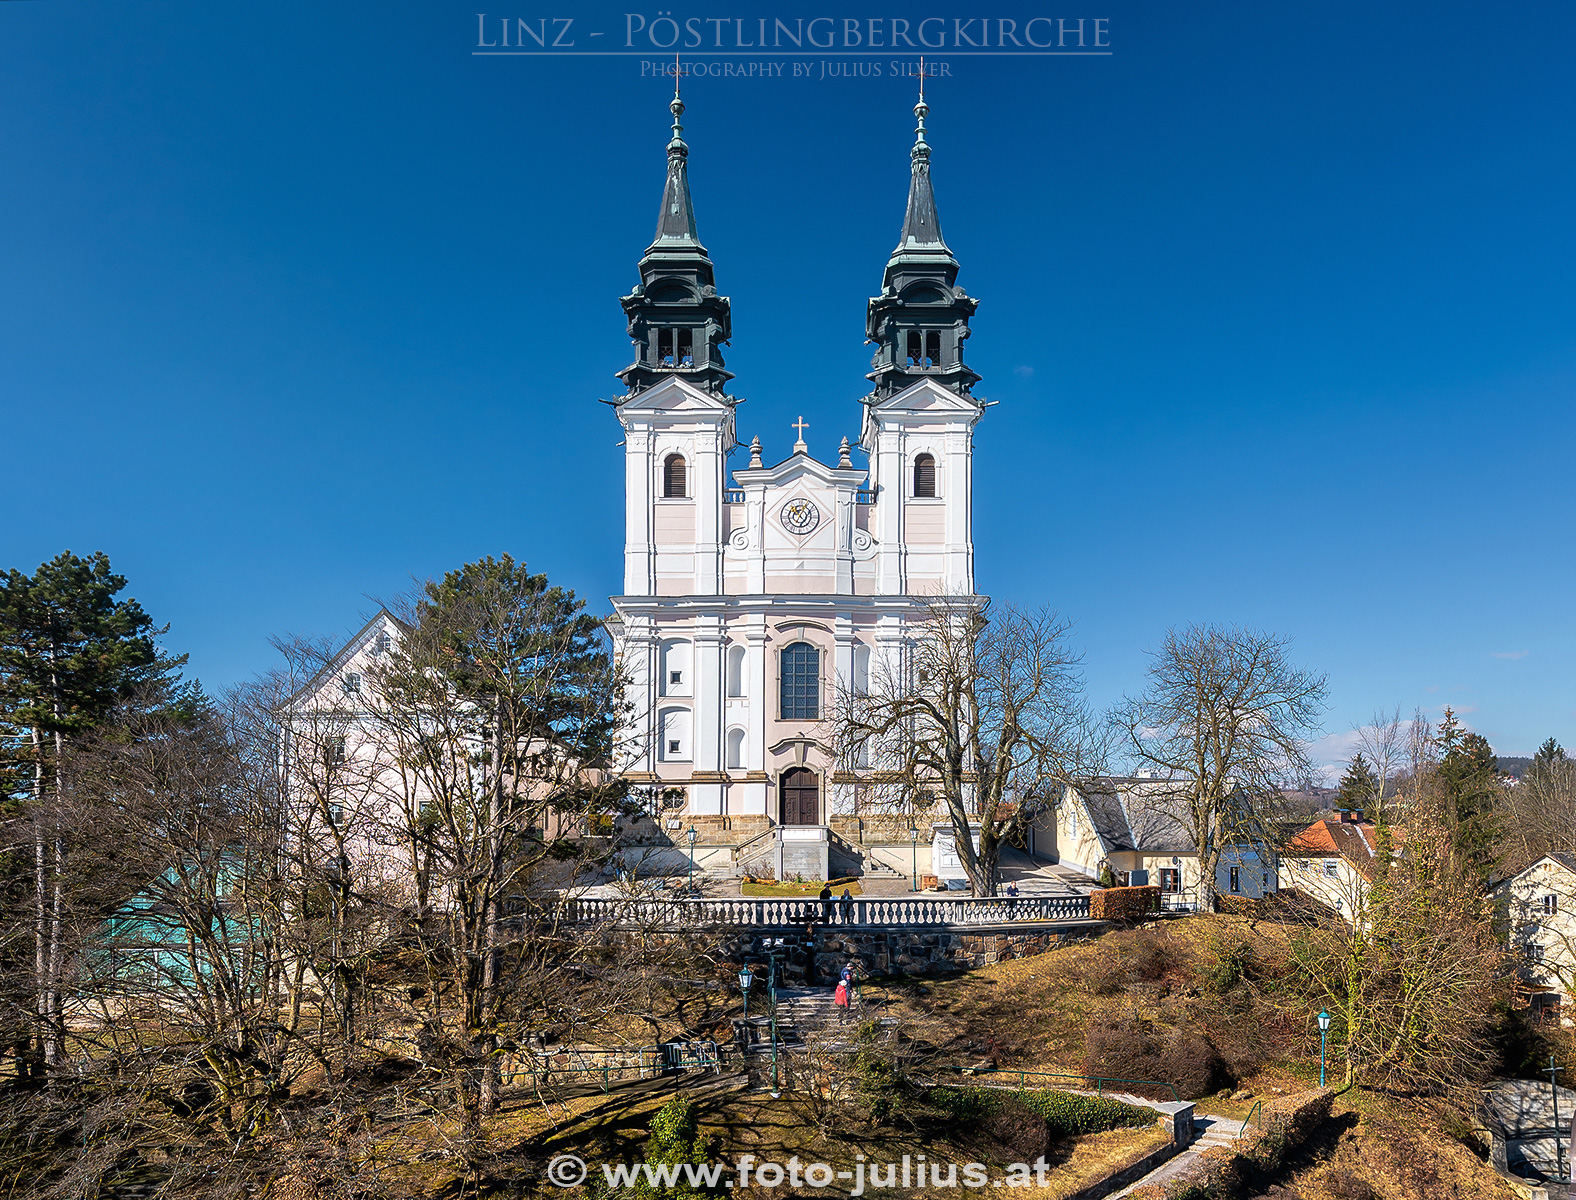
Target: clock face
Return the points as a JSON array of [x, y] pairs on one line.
[[800, 516]]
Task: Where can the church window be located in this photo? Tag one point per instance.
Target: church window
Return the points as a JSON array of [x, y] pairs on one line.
[[673, 477], [351, 683], [933, 349], [861, 670], [675, 348], [925, 475], [801, 682], [916, 347], [736, 671], [735, 748], [675, 668], [334, 752], [686, 352], [673, 743]]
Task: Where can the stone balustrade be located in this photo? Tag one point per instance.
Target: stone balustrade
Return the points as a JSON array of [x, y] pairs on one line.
[[916, 912]]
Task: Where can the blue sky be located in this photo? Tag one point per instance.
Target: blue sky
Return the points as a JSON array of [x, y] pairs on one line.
[[304, 302]]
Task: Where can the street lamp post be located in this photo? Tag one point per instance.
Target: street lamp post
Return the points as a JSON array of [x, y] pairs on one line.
[[745, 979], [689, 881], [913, 838], [771, 1001], [1324, 1030], [1559, 1146]]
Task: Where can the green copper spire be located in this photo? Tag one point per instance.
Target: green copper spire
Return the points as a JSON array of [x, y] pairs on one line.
[[676, 221], [677, 321], [920, 320]]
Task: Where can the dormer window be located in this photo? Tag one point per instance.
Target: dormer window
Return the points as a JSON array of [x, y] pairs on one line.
[[925, 476], [351, 683], [673, 477]]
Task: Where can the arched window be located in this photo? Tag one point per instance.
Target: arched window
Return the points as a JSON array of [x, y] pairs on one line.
[[800, 671], [736, 670], [735, 749], [925, 475], [675, 679], [673, 734], [673, 481]]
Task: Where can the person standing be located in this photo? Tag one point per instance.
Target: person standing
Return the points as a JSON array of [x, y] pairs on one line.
[[845, 903], [840, 997], [826, 903]]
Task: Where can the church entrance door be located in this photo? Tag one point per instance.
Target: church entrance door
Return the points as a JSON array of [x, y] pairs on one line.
[[801, 794]]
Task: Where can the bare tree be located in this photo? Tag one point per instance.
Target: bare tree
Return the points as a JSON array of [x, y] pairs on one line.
[[982, 710], [1224, 723], [1383, 743], [1412, 968], [494, 723]]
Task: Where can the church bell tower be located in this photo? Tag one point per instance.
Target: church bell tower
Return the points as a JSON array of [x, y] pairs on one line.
[[677, 320], [920, 320]]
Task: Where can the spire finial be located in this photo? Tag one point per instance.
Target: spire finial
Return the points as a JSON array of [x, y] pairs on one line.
[[799, 447], [921, 147], [844, 457], [755, 451], [677, 109]]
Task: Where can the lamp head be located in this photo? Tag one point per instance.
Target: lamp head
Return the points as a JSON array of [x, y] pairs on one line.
[[746, 978], [1324, 1022]]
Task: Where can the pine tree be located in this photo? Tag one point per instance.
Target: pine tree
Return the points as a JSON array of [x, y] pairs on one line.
[[1358, 786], [69, 652], [1549, 754], [1469, 775]]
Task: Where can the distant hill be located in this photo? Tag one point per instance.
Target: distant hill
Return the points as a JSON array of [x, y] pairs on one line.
[[1514, 765]]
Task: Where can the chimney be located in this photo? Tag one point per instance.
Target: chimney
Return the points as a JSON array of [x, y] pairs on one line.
[[1351, 816]]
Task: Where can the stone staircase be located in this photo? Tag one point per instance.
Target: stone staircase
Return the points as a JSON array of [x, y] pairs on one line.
[[1209, 1133]]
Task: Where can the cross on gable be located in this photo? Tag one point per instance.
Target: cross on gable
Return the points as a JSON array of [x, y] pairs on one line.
[[801, 425]]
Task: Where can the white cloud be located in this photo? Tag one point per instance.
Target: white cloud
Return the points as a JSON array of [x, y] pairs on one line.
[[1023, 372]]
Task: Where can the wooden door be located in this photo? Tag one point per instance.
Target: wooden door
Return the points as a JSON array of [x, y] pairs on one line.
[[801, 797]]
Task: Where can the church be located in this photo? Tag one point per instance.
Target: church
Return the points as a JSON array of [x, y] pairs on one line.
[[749, 601]]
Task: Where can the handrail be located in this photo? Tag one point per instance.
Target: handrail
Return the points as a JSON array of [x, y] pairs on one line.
[[1098, 1080], [1258, 1107], [925, 912], [751, 840]]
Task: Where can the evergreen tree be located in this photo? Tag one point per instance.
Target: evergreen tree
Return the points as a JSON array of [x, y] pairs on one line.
[[1358, 786], [1549, 754], [1469, 776], [70, 651]]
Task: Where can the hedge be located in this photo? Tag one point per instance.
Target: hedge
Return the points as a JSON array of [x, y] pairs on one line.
[[1066, 1114], [1123, 903]]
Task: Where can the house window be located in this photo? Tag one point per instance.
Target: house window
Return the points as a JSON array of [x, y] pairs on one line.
[[351, 682], [1236, 879], [336, 815], [1551, 905], [925, 476], [673, 477], [800, 681], [1330, 871], [334, 751], [1534, 952], [1170, 879], [1266, 881]]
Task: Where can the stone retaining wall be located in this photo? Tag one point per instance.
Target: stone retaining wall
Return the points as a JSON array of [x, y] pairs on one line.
[[815, 958]]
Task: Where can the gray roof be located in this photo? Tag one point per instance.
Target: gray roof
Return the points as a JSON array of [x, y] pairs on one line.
[[1128, 819]]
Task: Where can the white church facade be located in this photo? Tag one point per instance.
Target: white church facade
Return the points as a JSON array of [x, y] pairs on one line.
[[751, 597]]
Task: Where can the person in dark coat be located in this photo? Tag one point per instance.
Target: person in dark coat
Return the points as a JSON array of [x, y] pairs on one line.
[[845, 902], [826, 903]]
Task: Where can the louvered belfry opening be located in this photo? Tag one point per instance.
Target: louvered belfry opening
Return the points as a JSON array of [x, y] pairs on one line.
[[925, 475], [673, 480]]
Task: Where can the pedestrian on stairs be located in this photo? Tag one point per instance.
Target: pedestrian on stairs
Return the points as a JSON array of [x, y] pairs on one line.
[[840, 998]]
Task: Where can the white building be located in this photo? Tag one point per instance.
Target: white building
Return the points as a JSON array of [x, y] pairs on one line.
[[1539, 909], [748, 596]]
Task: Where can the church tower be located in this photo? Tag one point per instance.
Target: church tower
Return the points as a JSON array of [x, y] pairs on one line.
[[747, 606]]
